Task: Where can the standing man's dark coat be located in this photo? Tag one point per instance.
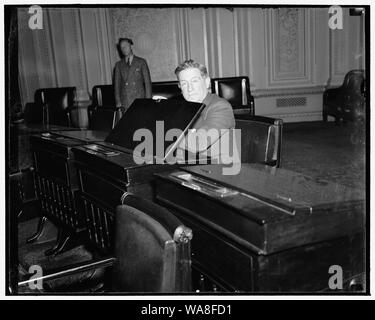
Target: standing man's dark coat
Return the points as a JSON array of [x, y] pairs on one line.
[[131, 82]]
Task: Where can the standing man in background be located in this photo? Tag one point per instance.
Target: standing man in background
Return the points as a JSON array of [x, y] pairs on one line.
[[131, 76]]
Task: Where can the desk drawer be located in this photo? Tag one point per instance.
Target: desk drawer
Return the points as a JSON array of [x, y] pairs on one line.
[[231, 268]]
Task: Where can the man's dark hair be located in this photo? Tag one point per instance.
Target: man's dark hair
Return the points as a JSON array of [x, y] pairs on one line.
[[130, 41], [191, 64]]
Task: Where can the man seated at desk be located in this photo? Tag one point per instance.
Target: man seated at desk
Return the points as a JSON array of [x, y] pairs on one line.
[[216, 118]]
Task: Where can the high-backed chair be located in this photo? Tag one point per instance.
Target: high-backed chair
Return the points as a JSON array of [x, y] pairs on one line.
[[51, 106], [152, 249], [347, 101], [166, 89], [103, 113], [152, 252], [261, 140], [103, 96], [237, 91]]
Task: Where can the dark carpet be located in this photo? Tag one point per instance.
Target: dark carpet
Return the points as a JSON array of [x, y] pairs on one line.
[[326, 151], [32, 254]]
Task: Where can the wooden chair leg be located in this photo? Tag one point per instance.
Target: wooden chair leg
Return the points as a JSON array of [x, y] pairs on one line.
[[62, 243], [39, 231], [65, 241]]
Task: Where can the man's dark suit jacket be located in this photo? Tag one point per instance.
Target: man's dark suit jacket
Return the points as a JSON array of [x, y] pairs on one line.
[[131, 82]]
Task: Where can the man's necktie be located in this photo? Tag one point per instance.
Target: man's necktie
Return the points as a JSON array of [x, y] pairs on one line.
[[128, 62]]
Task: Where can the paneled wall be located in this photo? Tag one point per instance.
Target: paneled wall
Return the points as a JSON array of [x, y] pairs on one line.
[[154, 34], [74, 48], [290, 54]]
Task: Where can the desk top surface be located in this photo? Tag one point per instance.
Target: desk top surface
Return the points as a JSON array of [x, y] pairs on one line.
[[35, 128], [280, 186]]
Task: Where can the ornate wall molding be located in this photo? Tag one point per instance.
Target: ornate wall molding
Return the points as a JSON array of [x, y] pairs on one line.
[[154, 34], [290, 46]]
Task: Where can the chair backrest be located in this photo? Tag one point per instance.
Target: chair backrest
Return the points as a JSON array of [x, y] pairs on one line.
[[58, 102], [236, 90], [152, 249], [261, 140], [354, 82], [103, 96], [166, 89], [103, 112]]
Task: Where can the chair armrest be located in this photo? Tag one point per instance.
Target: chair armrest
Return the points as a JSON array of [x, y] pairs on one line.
[[252, 105], [331, 94]]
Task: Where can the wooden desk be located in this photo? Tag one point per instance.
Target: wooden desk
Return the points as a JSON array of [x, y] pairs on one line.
[[266, 229], [20, 155]]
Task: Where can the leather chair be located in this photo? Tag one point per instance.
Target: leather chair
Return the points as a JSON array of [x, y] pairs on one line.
[[152, 252], [166, 90], [152, 249], [103, 113], [51, 106], [237, 91], [261, 140], [346, 102], [103, 96]]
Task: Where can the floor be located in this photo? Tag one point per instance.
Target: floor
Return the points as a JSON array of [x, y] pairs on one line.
[[326, 151]]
